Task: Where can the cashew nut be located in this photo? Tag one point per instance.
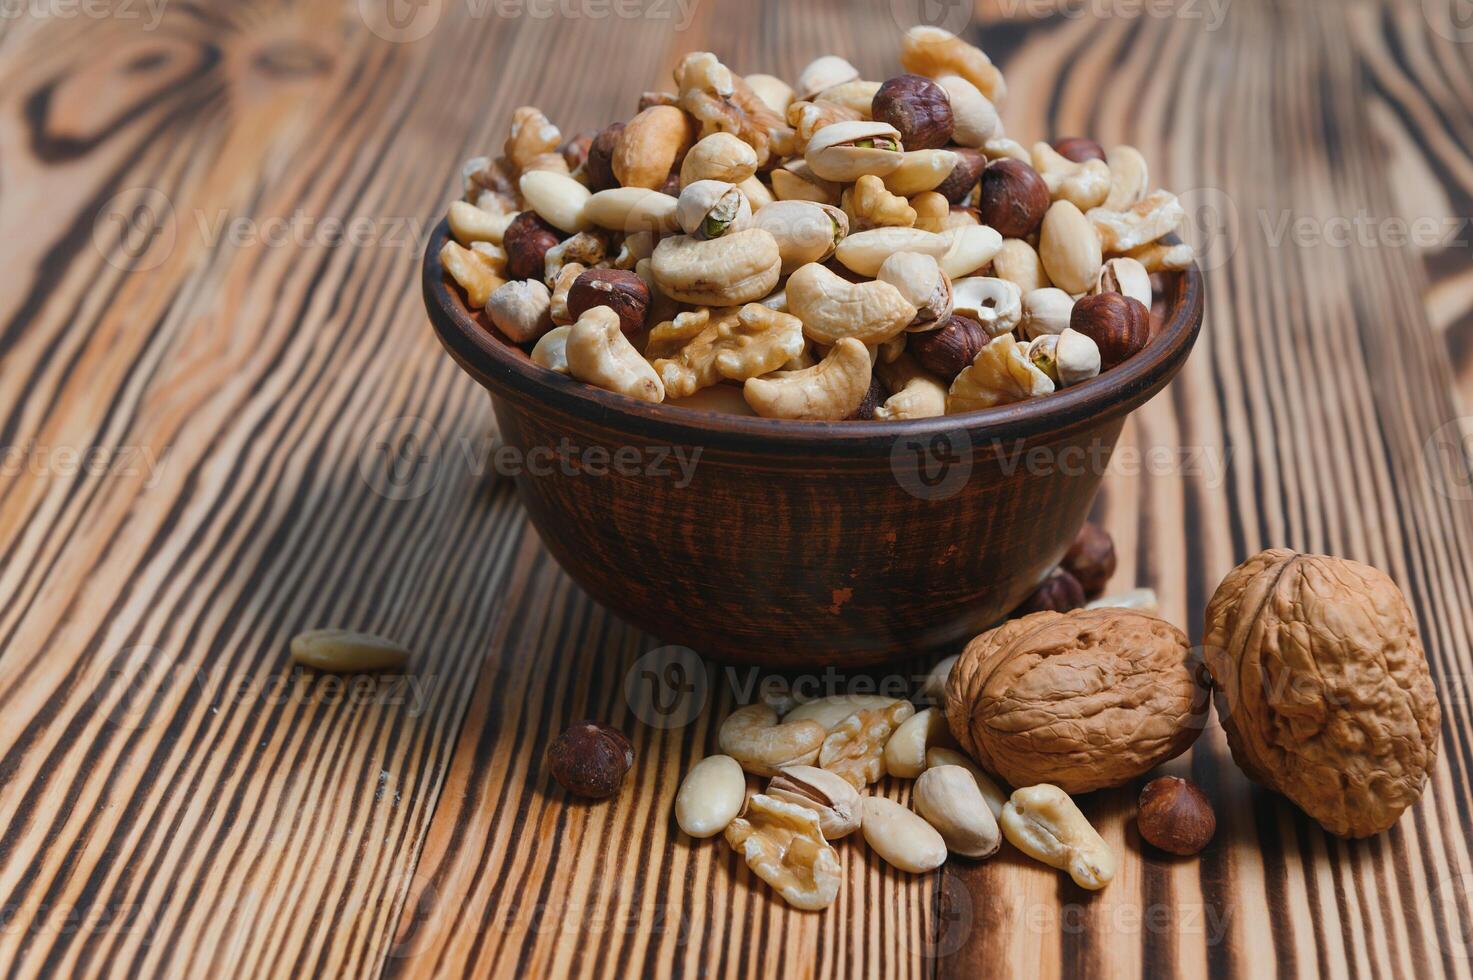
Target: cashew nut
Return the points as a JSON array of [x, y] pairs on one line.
[[558, 306], [473, 271], [735, 346], [521, 310], [531, 136], [829, 391], [632, 209], [757, 193], [720, 156], [846, 151], [585, 250], [1144, 222], [1002, 148], [919, 171], [739, 267], [806, 231], [807, 118], [753, 736], [934, 52], [469, 223], [832, 307], [857, 96], [598, 353], [1085, 185], [1044, 823], [999, 375], [995, 303], [917, 394], [1161, 257], [551, 351], [870, 205], [795, 181]]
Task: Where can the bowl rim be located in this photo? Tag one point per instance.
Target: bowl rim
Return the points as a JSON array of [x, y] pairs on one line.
[[506, 371]]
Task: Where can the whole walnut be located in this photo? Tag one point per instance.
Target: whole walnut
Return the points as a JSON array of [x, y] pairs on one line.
[[1083, 699], [1323, 688]]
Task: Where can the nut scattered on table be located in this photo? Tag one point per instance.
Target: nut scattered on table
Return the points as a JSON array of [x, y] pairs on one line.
[[711, 796], [589, 759], [1083, 700], [342, 651], [845, 202], [1323, 688], [1044, 823], [1176, 816]]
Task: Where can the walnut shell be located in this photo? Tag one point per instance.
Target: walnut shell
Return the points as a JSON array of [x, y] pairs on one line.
[[1323, 688], [1083, 699]]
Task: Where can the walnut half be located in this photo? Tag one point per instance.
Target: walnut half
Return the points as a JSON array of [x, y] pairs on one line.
[[1083, 700], [1323, 688], [782, 844]]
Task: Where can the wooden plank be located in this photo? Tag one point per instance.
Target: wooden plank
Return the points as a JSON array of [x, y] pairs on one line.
[[167, 806]]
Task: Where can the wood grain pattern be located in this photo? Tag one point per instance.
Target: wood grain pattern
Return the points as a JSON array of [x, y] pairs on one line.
[[200, 381]]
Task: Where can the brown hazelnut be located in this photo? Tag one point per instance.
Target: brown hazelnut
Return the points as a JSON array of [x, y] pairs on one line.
[[1060, 592], [1091, 559], [964, 176], [1013, 199], [918, 108], [526, 242], [950, 350], [618, 289], [1176, 816], [1079, 149], [575, 150], [1119, 325], [590, 760], [600, 162], [872, 399]]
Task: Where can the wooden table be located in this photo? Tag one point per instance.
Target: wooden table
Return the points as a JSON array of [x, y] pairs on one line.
[[212, 218]]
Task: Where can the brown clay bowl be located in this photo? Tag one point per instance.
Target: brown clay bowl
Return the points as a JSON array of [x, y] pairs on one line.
[[806, 544]]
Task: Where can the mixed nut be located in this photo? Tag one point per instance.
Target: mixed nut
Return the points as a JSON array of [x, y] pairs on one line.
[[836, 249], [1321, 684]]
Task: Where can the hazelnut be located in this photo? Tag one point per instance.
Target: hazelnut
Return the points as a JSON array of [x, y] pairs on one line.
[[1079, 149], [1014, 198], [950, 350], [1091, 559], [964, 176], [1060, 592], [590, 760], [599, 166], [1119, 325], [1176, 816], [916, 106], [620, 290], [526, 242], [575, 150]]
